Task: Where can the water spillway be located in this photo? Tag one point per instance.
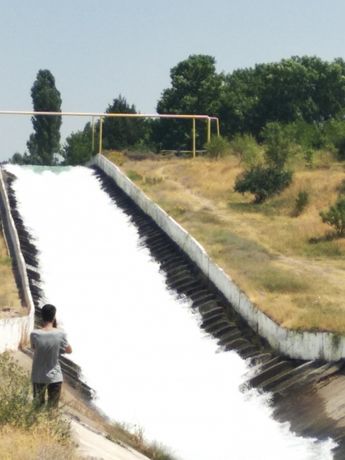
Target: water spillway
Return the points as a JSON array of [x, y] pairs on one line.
[[151, 356]]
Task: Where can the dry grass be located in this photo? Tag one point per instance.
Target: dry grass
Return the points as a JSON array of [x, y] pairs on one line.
[[25, 431], [10, 304], [269, 253], [19, 444]]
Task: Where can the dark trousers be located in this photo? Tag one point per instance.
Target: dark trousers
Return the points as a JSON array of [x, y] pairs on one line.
[[54, 392]]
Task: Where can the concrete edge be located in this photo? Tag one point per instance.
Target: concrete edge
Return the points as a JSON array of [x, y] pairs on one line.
[[15, 332], [294, 344]]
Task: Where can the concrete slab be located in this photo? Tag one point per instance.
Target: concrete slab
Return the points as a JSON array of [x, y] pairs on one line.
[[94, 445]]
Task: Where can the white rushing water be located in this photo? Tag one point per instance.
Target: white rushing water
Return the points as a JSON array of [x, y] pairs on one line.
[[139, 346]]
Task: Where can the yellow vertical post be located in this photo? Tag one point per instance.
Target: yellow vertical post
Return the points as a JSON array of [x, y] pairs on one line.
[[100, 134], [208, 129], [93, 134], [194, 141], [218, 128]]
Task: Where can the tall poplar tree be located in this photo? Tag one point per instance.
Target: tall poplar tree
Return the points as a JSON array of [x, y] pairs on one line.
[[45, 141]]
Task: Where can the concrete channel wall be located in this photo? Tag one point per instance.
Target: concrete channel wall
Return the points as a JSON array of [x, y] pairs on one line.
[[294, 344], [15, 332]]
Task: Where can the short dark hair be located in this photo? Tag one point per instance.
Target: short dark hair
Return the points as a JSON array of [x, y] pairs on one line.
[[48, 313]]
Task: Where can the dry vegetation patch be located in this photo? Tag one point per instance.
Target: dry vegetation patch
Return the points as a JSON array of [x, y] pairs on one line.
[[288, 264], [19, 444], [27, 432], [10, 304]]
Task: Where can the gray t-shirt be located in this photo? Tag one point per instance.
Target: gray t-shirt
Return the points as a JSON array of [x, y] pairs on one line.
[[48, 346]]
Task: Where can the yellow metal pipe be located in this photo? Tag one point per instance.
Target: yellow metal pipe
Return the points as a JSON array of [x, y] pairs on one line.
[[208, 129], [216, 119], [104, 114], [194, 139], [93, 133], [100, 134]]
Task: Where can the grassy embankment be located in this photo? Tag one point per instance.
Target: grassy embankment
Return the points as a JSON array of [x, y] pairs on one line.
[[289, 266]]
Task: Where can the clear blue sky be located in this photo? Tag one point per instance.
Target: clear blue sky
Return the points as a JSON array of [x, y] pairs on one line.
[[99, 49]]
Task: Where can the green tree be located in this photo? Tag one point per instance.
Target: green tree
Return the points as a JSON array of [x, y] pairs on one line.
[[296, 89], [120, 133], [19, 159], [44, 143], [195, 89], [78, 147]]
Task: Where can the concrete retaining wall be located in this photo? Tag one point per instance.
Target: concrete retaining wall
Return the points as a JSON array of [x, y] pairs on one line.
[[15, 332], [295, 344]]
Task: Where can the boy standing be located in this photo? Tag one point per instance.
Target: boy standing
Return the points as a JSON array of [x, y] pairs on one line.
[[48, 344]]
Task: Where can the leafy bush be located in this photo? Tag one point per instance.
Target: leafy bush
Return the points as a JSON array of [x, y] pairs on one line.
[[301, 202], [278, 144], [217, 147], [335, 216], [334, 135], [309, 158], [263, 182], [16, 406], [341, 187], [307, 135], [247, 149]]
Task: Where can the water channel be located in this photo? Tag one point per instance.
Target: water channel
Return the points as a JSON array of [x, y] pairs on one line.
[[141, 347]]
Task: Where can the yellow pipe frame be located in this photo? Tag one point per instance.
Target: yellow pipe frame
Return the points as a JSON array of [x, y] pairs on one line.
[[102, 115]]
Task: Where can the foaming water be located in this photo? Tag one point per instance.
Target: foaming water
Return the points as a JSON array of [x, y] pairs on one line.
[[139, 346]]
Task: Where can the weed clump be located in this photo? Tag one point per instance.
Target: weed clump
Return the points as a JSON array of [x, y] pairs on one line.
[[135, 438], [247, 149], [18, 414], [301, 202], [116, 157], [134, 176], [217, 147]]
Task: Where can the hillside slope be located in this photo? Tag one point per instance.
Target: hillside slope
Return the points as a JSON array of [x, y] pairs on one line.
[[289, 266]]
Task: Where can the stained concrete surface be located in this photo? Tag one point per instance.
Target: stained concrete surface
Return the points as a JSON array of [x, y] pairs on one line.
[[93, 445]]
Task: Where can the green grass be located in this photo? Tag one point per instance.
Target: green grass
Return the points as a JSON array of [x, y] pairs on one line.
[[134, 176], [281, 281], [324, 249]]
